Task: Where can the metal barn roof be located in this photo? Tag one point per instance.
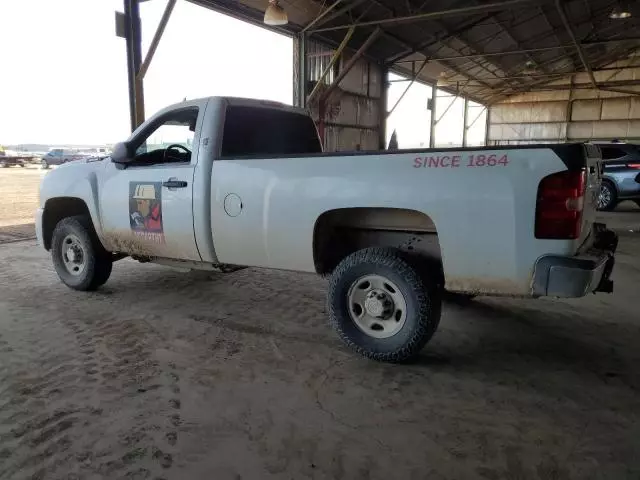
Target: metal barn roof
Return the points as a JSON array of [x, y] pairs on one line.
[[486, 50]]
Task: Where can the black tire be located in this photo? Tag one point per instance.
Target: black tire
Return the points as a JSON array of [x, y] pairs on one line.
[[421, 294], [97, 261], [637, 202], [44, 164], [607, 190]]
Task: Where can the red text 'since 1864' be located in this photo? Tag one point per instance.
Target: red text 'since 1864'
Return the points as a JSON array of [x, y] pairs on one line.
[[455, 161]]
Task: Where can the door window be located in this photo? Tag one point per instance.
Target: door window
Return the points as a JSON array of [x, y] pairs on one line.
[[169, 140], [611, 153]]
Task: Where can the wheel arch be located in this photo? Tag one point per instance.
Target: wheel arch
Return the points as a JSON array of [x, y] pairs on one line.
[[340, 232], [611, 181], [58, 208]]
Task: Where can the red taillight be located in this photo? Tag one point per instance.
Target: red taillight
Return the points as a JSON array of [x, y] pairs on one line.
[[559, 205], [633, 165]]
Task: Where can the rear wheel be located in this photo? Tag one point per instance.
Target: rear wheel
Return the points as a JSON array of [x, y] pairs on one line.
[[44, 164], [607, 197], [381, 306], [79, 258]]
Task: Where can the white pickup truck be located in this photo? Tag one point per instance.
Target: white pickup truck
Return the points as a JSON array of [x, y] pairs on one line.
[[219, 183]]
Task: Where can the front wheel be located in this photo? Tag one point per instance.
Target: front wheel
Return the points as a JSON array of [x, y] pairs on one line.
[[79, 258], [381, 306], [44, 164]]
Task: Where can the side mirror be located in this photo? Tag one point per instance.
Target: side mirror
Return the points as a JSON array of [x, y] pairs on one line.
[[122, 153]]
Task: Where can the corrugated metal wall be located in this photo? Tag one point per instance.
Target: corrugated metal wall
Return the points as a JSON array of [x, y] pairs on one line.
[[352, 119], [570, 114]]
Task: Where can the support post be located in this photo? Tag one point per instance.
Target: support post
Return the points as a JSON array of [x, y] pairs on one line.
[[432, 130], [465, 130], [382, 110], [300, 70], [487, 126], [133, 37]]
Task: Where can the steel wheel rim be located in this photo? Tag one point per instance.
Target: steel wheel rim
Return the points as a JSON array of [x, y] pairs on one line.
[[74, 256], [604, 197], [377, 306]]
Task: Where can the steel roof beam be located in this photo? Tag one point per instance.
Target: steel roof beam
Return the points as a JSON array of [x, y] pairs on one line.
[[323, 14], [583, 58], [433, 40], [455, 12], [528, 50]]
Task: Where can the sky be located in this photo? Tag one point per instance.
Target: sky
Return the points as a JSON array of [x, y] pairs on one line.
[[65, 81]]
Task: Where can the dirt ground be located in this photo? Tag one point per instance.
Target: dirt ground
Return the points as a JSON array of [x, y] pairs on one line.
[[19, 194], [171, 375]]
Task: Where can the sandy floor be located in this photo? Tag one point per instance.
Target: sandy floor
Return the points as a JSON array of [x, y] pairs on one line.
[[208, 376], [19, 194]]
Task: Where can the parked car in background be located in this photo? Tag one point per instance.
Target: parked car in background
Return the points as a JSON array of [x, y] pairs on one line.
[[621, 174], [9, 158], [58, 156], [99, 152]]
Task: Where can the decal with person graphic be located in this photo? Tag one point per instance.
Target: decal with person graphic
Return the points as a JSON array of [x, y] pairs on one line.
[[145, 210]]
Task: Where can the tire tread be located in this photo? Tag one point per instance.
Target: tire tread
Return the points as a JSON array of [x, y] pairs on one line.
[[99, 268], [427, 299]]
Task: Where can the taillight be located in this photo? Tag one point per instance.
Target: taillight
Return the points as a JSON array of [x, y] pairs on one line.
[[633, 165], [559, 205]]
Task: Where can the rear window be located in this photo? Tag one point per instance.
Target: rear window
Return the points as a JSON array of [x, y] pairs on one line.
[[255, 131]]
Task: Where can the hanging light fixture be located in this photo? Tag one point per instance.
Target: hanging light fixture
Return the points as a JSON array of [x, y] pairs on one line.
[[530, 68], [621, 10], [443, 79], [275, 14]]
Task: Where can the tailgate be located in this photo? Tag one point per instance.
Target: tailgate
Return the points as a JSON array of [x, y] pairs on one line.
[[593, 158]]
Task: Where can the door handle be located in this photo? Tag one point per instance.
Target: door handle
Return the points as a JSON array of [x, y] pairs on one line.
[[171, 183]]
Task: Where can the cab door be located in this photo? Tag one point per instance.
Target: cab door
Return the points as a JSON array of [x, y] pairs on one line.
[[146, 205]]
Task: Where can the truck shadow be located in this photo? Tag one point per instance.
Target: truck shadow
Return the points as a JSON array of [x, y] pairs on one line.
[[497, 338], [521, 338]]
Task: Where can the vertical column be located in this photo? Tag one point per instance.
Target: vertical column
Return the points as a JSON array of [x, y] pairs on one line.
[[299, 70], [432, 134], [465, 130], [133, 36], [382, 108], [488, 126]]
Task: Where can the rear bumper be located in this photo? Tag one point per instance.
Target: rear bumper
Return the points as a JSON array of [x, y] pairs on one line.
[[559, 276]]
